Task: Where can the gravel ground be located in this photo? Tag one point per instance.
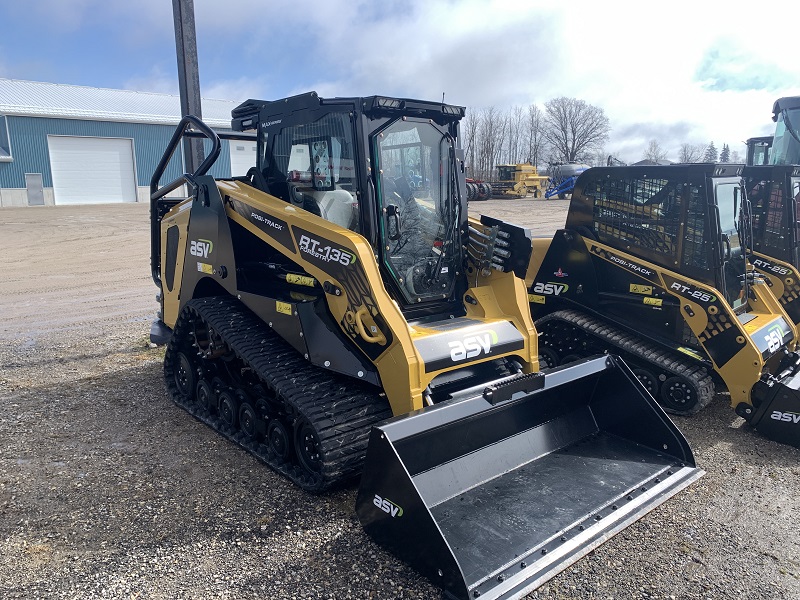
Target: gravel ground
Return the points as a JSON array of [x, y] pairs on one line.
[[108, 490]]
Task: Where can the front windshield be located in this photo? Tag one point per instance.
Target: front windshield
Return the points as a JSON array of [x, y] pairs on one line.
[[729, 200], [419, 208], [786, 146], [505, 173]]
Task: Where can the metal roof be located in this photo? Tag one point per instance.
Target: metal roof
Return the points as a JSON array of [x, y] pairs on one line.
[[57, 100]]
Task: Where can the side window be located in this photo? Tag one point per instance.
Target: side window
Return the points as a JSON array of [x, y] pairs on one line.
[[312, 166], [637, 211], [5, 144], [776, 217], [695, 250]]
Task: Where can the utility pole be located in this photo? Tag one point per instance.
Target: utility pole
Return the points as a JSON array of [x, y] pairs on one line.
[[188, 77]]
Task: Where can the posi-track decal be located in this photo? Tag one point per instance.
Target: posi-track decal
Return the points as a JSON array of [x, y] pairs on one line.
[[629, 265], [274, 227]]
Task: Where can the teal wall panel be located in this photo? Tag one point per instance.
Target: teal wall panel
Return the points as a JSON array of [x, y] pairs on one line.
[[28, 140]]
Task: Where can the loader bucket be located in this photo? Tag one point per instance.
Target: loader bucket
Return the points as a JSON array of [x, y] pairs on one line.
[[492, 497], [778, 414]]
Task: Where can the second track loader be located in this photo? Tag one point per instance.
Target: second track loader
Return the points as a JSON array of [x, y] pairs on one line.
[[652, 265], [340, 283], [773, 192]]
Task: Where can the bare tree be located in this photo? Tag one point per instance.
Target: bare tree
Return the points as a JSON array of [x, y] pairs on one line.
[[517, 150], [691, 153], [574, 129], [488, 135], [736, 157], [535, 132], [470, 141], [655, 152], [599, 158]]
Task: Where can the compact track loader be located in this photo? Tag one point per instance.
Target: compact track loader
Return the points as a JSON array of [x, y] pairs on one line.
[[651, 265], [773, 192], [306, 303]]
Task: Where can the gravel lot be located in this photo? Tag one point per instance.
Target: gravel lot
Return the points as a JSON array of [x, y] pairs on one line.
[[108, 490]]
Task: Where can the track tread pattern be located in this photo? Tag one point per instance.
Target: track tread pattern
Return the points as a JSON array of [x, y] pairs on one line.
[[341, 411], [635, 349]]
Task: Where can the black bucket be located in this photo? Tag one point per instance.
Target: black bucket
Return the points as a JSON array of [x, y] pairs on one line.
[[492, 500], [778, 414]]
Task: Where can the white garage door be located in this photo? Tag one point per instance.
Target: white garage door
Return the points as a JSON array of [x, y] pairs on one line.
[[89, 170], [243, 156]]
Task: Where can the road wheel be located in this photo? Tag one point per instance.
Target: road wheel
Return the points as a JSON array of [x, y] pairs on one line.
[[570, 358], [185, 376], [205, 395], [228, 408], [307, 446], [648, 380], [248, 421], [548, 358], [278, 439], [678, 394]]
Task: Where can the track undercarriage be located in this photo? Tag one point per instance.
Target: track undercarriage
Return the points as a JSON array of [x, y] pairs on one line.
[[227, 368], [680, 385]]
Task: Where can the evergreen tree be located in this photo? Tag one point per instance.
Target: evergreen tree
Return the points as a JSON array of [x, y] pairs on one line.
[[711, 153], [725, 155]]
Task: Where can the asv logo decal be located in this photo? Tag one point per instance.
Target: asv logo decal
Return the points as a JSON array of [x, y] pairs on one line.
[[788, 417], [201, 248], [550, 288], [387, 506], [774, 338], [473, 345]]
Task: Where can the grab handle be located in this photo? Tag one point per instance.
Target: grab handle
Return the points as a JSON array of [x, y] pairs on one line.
[[378, 338]]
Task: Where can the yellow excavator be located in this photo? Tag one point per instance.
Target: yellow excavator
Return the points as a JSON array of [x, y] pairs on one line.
[[339, 284]]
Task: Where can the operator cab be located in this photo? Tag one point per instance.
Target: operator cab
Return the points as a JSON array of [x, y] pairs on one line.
[[786, 141], [388, 169]]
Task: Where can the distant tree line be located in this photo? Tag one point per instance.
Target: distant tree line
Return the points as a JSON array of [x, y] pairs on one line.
[[566, 130], [693, 153]]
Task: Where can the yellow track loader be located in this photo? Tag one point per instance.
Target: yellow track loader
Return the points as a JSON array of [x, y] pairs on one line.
[[652, 265], [340, 283]]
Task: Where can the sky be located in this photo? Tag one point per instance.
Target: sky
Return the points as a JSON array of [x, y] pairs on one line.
[[677, 72]]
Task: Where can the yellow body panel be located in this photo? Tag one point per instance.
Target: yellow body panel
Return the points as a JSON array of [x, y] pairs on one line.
[[499, 296], [177, 217], [784, 279], [744, 369]]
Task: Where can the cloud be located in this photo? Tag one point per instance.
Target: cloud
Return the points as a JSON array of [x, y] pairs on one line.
[[156, 80], [684, 73], [727, 65]]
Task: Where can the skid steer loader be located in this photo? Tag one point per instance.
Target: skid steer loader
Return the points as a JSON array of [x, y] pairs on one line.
[[773, 192], [306, 303], [651, 265]]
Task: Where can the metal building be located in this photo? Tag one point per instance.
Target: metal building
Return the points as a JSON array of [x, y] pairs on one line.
[[67, 144]]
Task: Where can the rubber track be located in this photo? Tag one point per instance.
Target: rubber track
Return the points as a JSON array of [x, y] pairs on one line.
[[341, 410], [640, 350]]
